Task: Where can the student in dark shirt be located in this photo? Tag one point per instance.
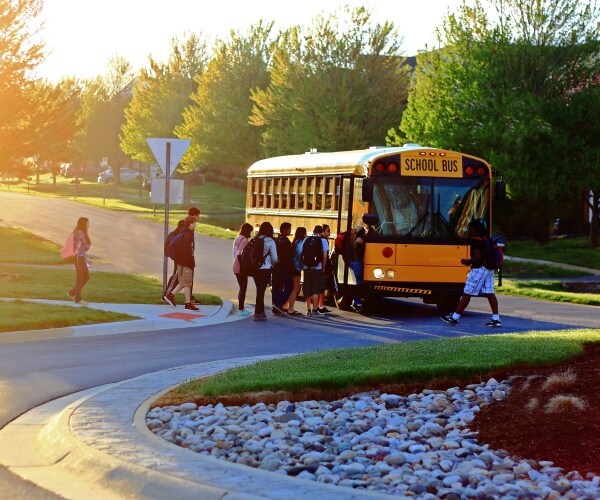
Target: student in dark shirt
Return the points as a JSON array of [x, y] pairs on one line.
[[283, 270], [480, 280], [184, 259]]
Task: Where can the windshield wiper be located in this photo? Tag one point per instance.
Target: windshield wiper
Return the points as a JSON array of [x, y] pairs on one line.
[[421, 222]]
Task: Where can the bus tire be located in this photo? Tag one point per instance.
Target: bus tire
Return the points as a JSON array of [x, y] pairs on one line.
[[447, 304]]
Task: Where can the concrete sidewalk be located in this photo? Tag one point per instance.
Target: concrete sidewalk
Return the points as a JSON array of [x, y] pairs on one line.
[[96, 445], [151, 317]]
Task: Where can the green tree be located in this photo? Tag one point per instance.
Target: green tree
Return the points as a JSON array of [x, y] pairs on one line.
[[339, 84], [54, 124], [217, 120], [160, 94], [102, 114], [496, 89], [19, 55], [579, 121]]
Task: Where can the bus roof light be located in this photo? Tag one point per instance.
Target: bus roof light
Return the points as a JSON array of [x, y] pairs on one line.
[[392, 168], [469, 170], [481, 170], [379, 167]]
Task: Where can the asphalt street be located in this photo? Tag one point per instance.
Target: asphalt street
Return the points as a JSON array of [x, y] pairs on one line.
[[37, 372]]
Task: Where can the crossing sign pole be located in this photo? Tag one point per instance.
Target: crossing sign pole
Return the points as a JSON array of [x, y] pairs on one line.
[[167, 152], [167, 192]]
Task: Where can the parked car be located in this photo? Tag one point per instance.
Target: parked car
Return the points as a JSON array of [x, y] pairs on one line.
[[127, 174], [67, 170]]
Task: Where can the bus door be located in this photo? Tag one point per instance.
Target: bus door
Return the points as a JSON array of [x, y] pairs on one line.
[[347, 217]]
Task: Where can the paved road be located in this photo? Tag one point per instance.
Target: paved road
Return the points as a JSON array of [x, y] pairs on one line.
[[121, 241], [33, 373]]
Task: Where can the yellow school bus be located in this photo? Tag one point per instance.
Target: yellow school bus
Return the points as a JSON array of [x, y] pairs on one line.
[[414, 201]]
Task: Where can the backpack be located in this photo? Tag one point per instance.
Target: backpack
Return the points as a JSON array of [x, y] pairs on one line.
[[253, 256], [168, 240], [174, 244], [68, 250], [494, 255], [312, 251], [297, 259], [339, 244]]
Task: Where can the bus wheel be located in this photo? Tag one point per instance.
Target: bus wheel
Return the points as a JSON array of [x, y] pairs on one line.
[[446, 304]]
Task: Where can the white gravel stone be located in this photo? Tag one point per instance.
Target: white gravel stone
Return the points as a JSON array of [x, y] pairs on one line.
[[418, 445]]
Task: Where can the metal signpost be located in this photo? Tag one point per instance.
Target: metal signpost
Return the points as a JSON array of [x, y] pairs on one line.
[[167, 152]]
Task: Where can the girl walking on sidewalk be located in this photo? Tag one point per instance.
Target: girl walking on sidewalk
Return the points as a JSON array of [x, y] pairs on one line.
[[81, 244]]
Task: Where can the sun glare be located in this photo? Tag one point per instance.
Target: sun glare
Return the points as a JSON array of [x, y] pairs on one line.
[[81, 37]]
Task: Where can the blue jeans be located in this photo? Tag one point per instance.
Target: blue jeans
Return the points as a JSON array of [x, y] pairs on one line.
[[357, 268]]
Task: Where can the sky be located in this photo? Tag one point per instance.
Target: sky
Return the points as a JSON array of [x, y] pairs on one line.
[[81, 36]]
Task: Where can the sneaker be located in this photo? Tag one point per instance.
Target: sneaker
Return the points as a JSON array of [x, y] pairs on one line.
[[170, 299], [323, 310], [495, 322], [191, 307], [356, 307], [278, 311], [449, 319], [243, 312], [310, 313]]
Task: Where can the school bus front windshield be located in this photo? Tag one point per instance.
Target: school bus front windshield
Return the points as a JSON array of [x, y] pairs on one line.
[[435, 209]]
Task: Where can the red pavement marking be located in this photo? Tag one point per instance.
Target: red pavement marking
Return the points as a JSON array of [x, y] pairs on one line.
[[183, 316]]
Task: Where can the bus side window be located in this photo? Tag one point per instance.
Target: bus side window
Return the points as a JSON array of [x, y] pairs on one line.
[[293, 193]]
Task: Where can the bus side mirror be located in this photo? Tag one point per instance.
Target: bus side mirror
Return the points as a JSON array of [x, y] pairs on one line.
[[367, 190], [500, 190], [370, 219]]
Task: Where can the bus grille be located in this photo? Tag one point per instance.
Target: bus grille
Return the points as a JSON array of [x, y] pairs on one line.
[[396, 289]]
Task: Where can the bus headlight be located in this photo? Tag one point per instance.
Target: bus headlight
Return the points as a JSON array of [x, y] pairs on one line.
[[391, 274], [378, 273]]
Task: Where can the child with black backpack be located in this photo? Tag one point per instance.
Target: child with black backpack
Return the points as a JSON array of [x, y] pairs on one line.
[[262, 276], [480, 280], [314, 260], [168, 295]]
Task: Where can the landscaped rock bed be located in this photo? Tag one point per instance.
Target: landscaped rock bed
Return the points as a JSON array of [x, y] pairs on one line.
[[484, 440]]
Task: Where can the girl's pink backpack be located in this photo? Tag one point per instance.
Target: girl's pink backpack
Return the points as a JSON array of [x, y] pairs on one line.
[[68, 250]]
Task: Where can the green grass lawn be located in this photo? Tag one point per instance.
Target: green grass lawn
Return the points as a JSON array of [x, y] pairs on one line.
[[31, 267], [19, 246], [548, 290], [221, 207], [532, 271], [460, 358], [21, 315], [574, 251]]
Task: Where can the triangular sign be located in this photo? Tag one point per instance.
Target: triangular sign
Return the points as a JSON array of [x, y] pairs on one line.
[[159, 149]]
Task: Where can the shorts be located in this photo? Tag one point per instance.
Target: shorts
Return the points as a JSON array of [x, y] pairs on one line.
[[480, 281], [314, 282], [185, 275]]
